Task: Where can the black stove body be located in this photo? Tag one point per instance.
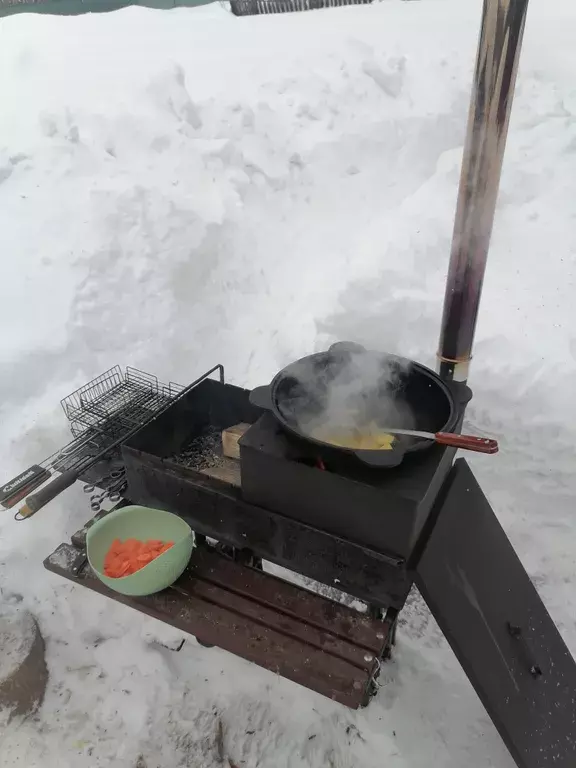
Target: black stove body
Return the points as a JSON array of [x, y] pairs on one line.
[[223, 510], [383, 509], [373, 534]]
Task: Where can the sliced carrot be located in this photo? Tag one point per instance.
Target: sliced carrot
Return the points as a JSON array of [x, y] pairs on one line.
[[114, 550], [126, 557]]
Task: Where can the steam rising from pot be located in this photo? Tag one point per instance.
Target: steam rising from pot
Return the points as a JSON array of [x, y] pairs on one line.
[[351, 400]]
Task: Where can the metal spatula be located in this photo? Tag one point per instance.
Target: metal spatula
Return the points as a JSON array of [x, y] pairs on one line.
[[466, 442]]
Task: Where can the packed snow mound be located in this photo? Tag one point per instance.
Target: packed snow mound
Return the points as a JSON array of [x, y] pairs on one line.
[[185, 188], [17, 634]]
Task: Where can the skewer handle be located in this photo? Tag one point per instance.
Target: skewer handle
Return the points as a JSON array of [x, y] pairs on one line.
[[467, 442], [49, 492], [24, 480], [23, 492]]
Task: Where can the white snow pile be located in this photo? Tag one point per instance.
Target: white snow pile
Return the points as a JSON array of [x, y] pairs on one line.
[[17, 634], [183, 188]]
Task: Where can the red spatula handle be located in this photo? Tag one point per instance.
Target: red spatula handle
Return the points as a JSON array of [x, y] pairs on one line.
[[467, 442]]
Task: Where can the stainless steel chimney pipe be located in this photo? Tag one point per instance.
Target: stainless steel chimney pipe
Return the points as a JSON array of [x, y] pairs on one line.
[[492, 93]]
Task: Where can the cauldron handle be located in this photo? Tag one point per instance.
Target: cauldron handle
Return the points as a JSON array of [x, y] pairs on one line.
[[261, 397], [345, 348], [379, 458]]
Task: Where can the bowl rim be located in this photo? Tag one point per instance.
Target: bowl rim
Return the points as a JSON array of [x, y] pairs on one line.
[[118, 513]]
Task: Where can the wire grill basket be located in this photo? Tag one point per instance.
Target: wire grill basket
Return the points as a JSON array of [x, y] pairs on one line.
[[117, 401]]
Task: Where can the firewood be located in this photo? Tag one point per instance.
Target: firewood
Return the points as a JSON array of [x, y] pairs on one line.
[[230, 437]]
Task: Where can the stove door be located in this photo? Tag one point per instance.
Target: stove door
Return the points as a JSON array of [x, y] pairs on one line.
[[498, 627]]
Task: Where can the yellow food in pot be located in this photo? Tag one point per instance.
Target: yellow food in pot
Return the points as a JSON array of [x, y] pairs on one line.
[[356, 440]]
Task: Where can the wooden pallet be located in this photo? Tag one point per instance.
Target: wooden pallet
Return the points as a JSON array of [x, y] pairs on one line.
[[318, 643]]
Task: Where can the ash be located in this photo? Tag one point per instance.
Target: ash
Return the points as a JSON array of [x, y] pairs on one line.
[[202, 451]]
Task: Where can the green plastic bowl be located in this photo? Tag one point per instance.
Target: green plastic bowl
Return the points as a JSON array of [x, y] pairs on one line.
[[143, 523]]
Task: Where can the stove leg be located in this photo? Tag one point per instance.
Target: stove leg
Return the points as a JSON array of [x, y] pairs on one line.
[[243, 556], [391, 623], [374, 612], [393, 633], [387, 654], [247, 557]]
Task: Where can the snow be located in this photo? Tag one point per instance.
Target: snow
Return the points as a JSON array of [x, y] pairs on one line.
[[183, 188], [17, 635], [63, 558]]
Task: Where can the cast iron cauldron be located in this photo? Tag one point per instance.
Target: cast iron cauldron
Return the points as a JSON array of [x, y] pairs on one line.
[[393, 388]]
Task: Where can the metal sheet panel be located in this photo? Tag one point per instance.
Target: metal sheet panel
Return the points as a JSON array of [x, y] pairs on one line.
[[499, 628]]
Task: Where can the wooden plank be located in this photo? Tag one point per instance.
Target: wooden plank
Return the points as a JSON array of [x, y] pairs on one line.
[[291, 626], [284, 644], [230, 437], [290, 599]]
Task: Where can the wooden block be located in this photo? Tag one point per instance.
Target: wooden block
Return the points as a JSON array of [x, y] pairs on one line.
[[230, 437]]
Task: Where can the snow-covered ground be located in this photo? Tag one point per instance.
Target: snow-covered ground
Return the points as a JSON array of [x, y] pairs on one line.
[[183, 188]]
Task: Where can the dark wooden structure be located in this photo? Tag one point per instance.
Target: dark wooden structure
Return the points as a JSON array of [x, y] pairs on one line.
[[291, 631]]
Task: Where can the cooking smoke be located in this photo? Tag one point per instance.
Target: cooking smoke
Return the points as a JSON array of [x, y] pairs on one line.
[[353, 398]]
